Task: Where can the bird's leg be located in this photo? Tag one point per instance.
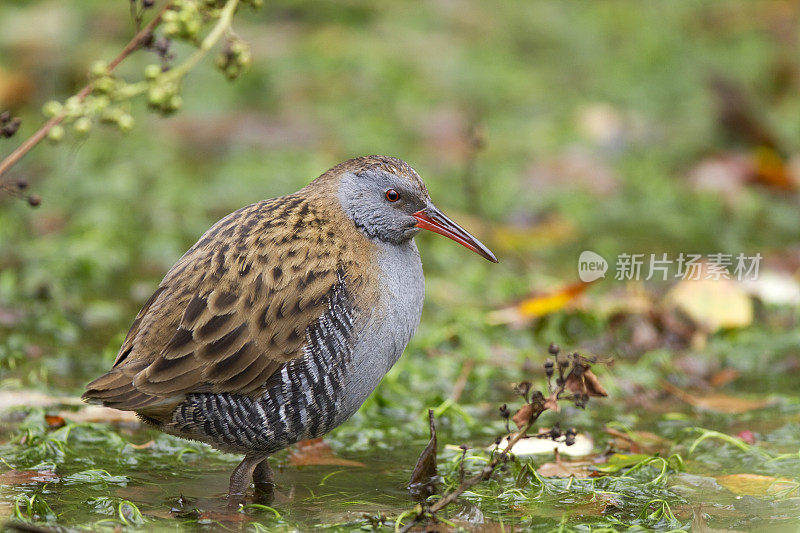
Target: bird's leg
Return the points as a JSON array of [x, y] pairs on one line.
[[265, 484], [240, 479], [262, 476]]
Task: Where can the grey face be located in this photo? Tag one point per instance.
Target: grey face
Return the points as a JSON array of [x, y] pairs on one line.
[[381, 204]]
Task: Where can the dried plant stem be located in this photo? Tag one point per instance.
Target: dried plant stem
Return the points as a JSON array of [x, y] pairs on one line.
[[222, 25], [483, 475], [41, 133]]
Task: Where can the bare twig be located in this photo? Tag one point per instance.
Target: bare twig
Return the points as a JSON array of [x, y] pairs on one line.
[[461, 382], [575, 382], [484, 474]]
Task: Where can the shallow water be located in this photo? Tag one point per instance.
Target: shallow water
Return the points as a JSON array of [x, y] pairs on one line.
[[174, 482]]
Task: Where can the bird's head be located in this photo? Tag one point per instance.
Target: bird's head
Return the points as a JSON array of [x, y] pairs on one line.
[[388, 201]]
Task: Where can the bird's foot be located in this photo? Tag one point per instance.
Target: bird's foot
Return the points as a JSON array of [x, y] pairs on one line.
[[264, 483], [233, 501], [240, 480]]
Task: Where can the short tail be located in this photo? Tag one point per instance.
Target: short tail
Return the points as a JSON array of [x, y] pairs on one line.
[[115, 389]]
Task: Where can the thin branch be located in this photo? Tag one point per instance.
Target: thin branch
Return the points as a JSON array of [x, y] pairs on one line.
[[138, 40], [484, 474], [224, 22], [578, 377]]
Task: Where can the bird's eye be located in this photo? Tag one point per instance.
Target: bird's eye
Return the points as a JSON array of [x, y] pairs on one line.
[[392, 195]]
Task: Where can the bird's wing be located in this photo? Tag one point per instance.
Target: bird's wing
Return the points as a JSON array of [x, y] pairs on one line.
[[233, 310]]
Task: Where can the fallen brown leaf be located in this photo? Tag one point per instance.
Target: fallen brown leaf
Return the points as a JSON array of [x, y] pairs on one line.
[[720, 403], [712, 303], [559, 468], [772, 170], [23, 477], [523, 415], [318, 453], [54, 421], [758, 485], [530, 411], [638, 441], [539, 305]]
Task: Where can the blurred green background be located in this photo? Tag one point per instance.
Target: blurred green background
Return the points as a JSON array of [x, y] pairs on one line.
[[548, 128], [567, 126]]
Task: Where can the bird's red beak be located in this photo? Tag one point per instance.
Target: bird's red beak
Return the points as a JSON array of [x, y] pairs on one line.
[[432, 219]]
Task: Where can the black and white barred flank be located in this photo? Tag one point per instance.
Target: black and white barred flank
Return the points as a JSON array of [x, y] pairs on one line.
[[300, 401]]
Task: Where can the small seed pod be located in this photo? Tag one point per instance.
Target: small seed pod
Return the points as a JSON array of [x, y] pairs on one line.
[[175, 103], [554, 349], [125, 122], [104, 84], [156, 97], [82, 126], [9, 128], [56, 134], [34, 200], [523, 389], [99, 69], [72, 107], [504, 411], [152, 72], [52, 108]]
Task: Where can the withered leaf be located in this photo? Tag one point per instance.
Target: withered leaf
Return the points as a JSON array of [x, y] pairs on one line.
[[318, 453], [523, 415], [720, 403], [529, 412], [54, 421], [552, 402], [23, 477], [713, 301], [583, 381], [578, 469], [758, 485], [559, 468], [425, 475], [638, 441], [539, 305], [593, 386]]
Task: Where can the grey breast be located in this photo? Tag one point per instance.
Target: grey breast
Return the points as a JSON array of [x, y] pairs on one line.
[[389, 327]]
